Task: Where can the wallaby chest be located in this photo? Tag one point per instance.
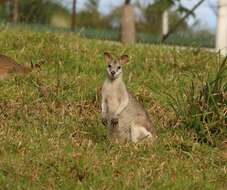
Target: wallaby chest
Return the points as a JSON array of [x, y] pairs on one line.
[[112, 92]]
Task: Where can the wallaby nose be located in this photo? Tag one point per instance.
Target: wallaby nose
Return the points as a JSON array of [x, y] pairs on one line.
[[113, 72]]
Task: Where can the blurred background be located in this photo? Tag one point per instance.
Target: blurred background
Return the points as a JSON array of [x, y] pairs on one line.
[[178, 22]]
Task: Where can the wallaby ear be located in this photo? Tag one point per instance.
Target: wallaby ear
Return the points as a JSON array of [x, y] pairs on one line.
[[32, 66], [108, 57], [35, 66], [124, 59]]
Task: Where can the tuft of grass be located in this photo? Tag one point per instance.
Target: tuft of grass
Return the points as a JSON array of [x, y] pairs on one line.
[[203, 106]]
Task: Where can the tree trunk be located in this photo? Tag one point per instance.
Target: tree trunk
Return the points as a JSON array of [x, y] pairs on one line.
[[128, 24], [221, 33], [165, 22], [15, 11], [73, 21]]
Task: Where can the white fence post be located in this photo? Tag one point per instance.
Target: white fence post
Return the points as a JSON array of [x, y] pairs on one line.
[[221, 33], [165, 22]]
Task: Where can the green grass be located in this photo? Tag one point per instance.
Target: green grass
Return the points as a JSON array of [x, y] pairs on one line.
[[199, 39], [202, 106], [55, 140]]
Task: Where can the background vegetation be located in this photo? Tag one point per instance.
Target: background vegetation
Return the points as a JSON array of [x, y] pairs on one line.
[[90, 22], [51, 136]]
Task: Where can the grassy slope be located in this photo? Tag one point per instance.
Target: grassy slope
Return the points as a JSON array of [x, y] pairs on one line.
[[57, 141]]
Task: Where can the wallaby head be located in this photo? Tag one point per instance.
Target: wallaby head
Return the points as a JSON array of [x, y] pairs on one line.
[[114, 65]]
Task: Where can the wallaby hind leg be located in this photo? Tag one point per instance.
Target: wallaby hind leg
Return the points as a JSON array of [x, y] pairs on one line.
[[139, 133]]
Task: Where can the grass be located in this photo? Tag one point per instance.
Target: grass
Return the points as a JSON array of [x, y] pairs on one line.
[[202, 107], [199, 39], [51, 136]]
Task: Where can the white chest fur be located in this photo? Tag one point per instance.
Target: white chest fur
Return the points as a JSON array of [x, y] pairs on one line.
[[112, 93]]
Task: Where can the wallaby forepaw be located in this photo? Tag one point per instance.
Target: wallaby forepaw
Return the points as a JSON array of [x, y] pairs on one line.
[[104, 121], [114, 121]]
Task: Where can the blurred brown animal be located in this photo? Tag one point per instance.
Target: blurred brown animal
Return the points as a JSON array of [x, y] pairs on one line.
[[8, 66]]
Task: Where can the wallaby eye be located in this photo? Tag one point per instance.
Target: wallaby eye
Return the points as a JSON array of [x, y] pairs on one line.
[[119, 67], [109, 66]]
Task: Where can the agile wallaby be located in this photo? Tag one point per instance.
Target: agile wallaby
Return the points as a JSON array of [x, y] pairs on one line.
[[8, 65], [126, 119]]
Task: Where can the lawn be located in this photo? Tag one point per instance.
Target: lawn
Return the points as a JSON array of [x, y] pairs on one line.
[[51, 136]]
